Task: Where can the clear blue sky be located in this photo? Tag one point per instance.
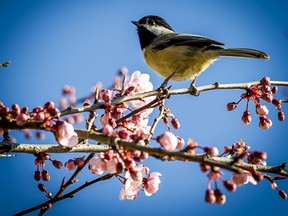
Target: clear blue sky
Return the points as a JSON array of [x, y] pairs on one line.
[[53, 43]]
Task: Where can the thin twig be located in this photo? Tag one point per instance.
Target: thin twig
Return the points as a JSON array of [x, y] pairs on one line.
[[68, 195], [68, 183]]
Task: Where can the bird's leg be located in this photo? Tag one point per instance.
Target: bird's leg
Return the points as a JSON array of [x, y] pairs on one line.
[[163, 90], [164, 84], [193, 89]]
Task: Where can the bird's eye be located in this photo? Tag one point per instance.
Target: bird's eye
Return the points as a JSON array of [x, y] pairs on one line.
[[151, 22]]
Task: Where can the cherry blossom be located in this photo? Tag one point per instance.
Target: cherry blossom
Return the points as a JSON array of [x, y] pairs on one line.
[[168, 141], [151, 184], [243, 178], [65, 134]]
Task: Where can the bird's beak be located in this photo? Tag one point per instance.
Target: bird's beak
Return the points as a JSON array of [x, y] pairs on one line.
[[136, 23]]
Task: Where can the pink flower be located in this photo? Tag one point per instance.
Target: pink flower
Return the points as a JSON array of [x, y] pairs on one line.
[[168, 141], [107, 130], [134, 181], [108, 161], [151, 184], [65, 134], [96, 165], [130, 190], [140, 83], [243, 178]]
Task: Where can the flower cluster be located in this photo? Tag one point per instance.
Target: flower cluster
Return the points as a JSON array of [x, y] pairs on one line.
[[216, 196], [22, 116], [71, 164], [45, 117], [263, 91], [137, 181], [115, 123], [40, 162], [239, 152], [112, 163], [274, 185]]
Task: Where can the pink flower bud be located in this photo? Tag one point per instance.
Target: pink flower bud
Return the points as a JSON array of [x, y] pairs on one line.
[[24, 110], [106, 94], [281, 116], [53, 111], [261, 155], [42, 188], [123, 134], [4, 111], [282, 194], [49, 105], [210, 196], [57, 164], [70, 165], [22, 119], [246, 118], [79, 162], [265, 81], [37, 109], [274, 90], [220, 197], [267, 97], [231, 106], [261, 110], [276, 102], [16, 108], [265, 123], [175, 123], [211, 151], [45, 175], [37, 175], [129, 90], [266, 88], [230, 186], [40, 117]]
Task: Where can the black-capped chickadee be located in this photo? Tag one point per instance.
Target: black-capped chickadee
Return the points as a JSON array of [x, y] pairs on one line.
[[182, 56]]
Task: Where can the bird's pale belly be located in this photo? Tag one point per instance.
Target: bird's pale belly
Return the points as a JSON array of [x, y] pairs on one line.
[[187, 64]]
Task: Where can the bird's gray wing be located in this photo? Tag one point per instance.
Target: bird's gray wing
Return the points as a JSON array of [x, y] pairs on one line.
[[165, 41]]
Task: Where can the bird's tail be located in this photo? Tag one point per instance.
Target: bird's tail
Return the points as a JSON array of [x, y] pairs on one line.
[[243, 52]]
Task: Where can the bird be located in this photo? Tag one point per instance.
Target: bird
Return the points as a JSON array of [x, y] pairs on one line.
[[176, 56]]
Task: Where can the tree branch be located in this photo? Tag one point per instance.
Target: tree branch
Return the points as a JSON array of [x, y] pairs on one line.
[[222, 162], [126, 98], [51, 148]]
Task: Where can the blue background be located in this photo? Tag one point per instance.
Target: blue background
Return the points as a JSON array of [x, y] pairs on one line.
[[53, 43]]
